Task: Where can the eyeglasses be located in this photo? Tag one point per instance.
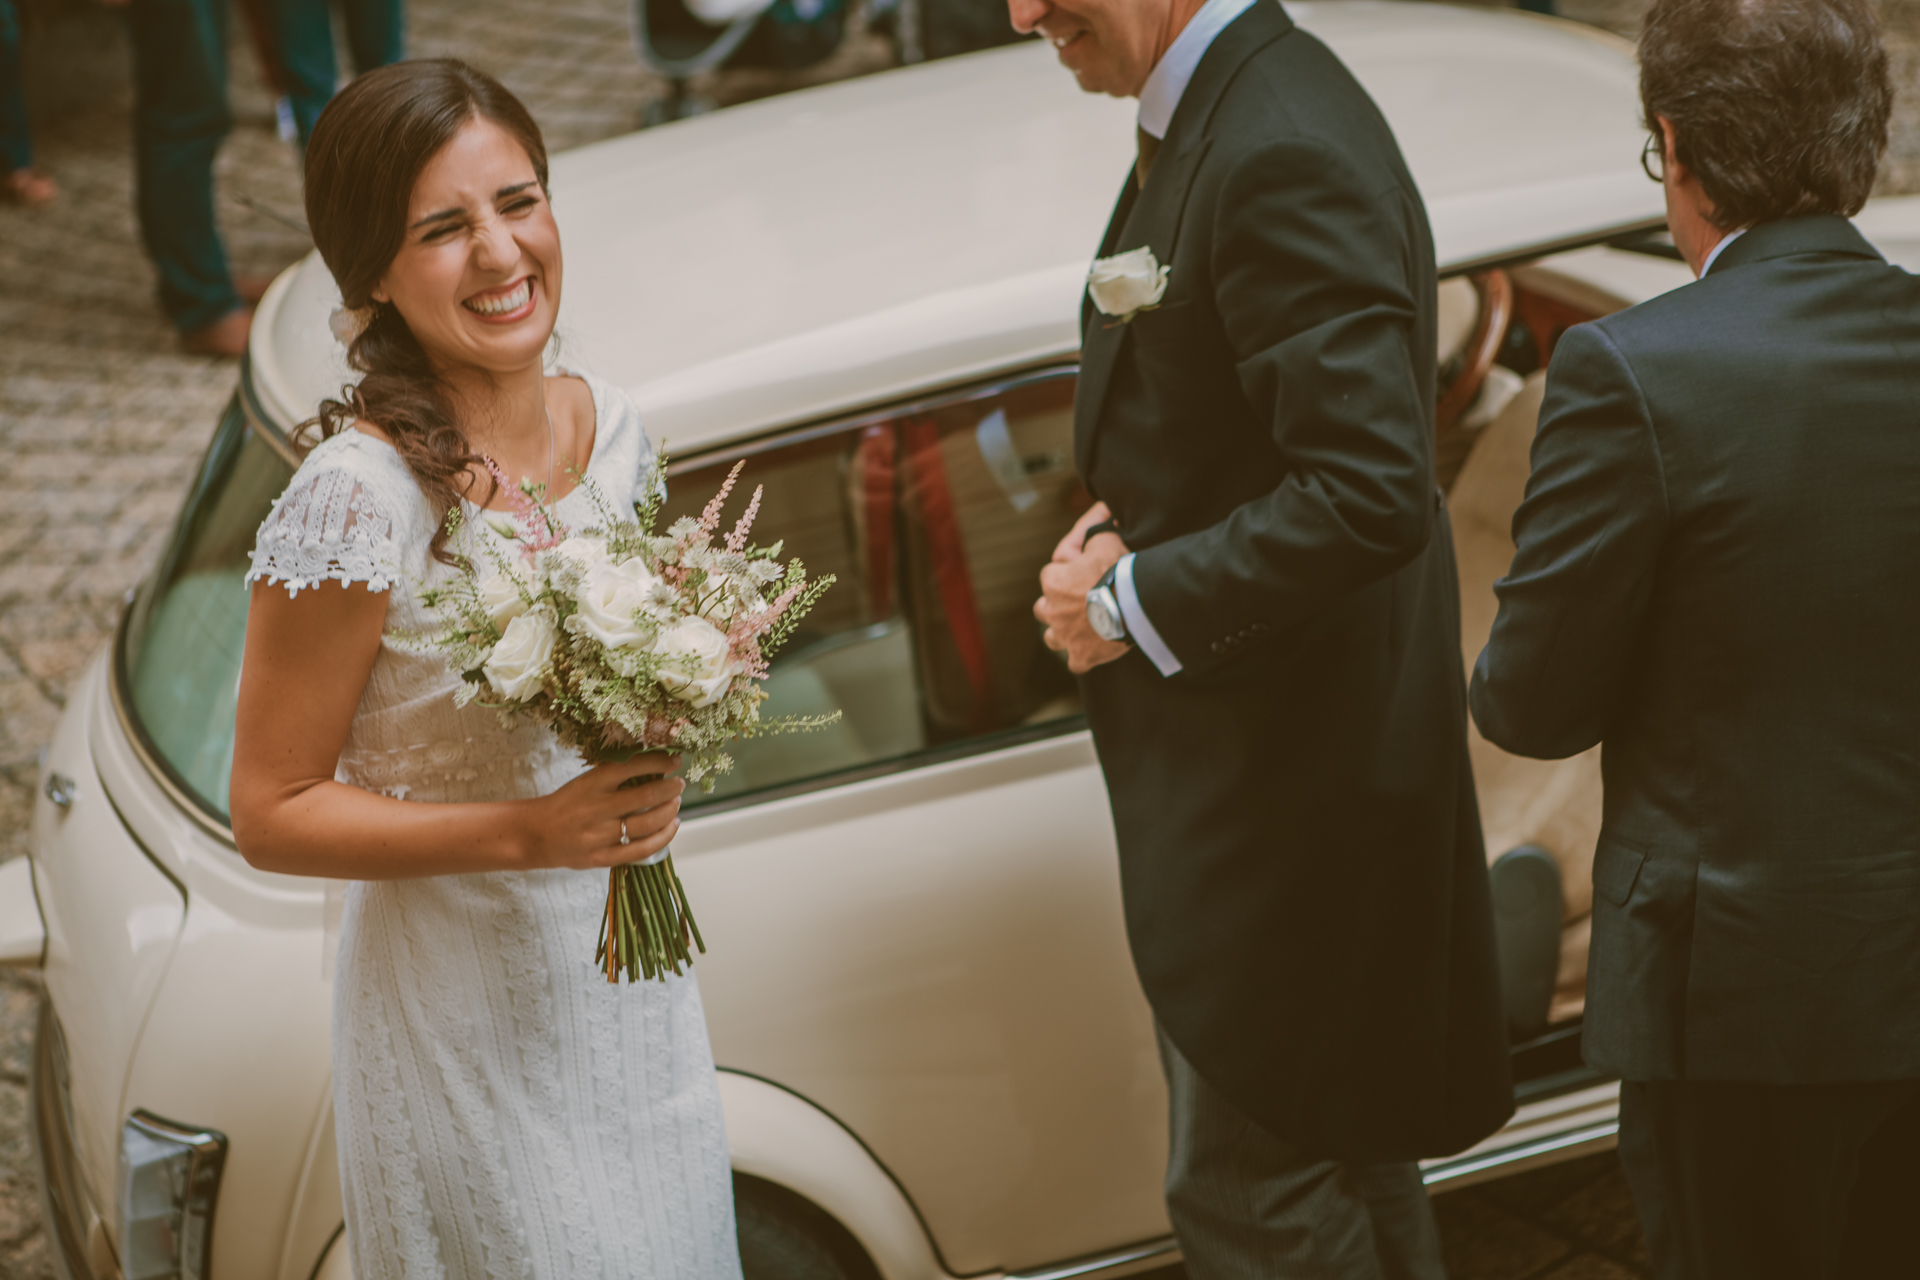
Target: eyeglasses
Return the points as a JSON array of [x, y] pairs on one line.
[[1653, 157]]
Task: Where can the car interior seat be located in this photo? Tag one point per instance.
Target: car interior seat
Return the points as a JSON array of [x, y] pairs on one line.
[[1553, 805]]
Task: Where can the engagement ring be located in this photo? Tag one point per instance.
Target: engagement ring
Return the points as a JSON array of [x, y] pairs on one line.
[[623, 832]]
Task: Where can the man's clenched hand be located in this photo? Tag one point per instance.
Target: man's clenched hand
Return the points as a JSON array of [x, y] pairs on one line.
[[1062, 606]]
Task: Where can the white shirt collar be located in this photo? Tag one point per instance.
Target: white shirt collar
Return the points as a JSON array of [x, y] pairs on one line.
[[1719, 249], [1164, 88]]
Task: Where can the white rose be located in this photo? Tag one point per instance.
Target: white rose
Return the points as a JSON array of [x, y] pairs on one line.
[[696, 662], [500, 597], [610, 596], [1127, 282], [518, 664], [584, 551]]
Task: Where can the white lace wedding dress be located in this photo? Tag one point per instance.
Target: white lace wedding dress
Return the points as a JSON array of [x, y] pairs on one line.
[[502, 1111]]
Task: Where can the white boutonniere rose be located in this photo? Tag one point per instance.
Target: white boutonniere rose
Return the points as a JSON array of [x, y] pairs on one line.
[[519, 662], [610, 597], [696, 662], [1128, 283]]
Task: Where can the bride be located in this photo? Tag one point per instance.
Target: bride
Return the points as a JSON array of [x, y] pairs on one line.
[[501, 1110]]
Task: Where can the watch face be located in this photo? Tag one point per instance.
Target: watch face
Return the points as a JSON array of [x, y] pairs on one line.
[[1102, 617]]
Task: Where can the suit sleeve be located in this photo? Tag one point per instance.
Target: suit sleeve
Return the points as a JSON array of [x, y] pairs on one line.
[[1588, 540], [1311, 272]]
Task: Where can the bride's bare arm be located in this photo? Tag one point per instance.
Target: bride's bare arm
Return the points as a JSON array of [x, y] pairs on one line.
[[307, 661]]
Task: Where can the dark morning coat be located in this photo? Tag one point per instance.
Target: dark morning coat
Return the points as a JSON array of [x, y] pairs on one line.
[[1718, 577], [1300, 849]]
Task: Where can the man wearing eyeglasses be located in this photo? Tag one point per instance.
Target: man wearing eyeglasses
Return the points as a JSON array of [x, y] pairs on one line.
[[1717, 576]]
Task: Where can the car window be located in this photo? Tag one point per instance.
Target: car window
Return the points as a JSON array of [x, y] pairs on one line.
[[936, 524], [188, 628]]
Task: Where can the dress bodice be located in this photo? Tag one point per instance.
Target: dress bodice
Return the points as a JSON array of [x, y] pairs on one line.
[[353, 513]]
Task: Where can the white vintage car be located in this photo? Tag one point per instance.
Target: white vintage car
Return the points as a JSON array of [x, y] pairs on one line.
[[935, 1059]]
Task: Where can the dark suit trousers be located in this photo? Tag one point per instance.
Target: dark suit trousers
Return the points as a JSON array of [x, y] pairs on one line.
[[1249, 1205], [1774, 1182]]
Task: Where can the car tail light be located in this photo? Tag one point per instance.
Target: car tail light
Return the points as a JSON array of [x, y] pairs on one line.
[[169, 1184]]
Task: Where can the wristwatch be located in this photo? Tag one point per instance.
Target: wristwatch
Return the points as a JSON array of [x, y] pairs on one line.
[[1103, 609]]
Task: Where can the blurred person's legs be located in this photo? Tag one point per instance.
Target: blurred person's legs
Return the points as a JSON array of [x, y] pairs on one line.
[[303, 31], [180, 119], [21, 182]]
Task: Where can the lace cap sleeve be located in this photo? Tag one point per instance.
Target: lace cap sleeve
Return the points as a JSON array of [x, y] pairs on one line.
[[336, 521]]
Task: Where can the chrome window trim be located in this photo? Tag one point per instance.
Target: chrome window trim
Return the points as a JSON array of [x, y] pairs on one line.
[[1066, 365], [277, 438], [985, 744]]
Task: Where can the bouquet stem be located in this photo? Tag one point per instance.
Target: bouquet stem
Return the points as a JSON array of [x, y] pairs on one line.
[[648, 930]]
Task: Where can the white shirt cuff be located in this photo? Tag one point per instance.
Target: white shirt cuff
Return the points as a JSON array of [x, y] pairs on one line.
[[1139, 626]]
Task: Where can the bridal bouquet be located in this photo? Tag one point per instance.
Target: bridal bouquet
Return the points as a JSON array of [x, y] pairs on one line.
[[623, 640]]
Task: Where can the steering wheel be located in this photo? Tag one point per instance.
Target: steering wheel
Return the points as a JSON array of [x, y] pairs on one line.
[[1496, 313]]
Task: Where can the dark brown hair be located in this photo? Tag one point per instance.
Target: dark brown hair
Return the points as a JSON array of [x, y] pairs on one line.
[[368, 149], [1779, 107]]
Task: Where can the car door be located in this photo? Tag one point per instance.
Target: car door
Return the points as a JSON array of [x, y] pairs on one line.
[[914, 916]]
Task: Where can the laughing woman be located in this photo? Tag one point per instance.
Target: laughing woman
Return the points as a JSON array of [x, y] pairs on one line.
[[502, 1111]]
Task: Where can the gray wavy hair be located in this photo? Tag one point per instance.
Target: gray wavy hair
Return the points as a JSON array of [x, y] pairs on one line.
[[1779, 107]]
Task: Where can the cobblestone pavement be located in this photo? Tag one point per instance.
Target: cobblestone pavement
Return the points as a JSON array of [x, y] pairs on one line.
[[102, 421]]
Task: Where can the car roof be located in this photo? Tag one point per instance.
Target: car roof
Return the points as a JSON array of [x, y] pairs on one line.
[[844, 246]]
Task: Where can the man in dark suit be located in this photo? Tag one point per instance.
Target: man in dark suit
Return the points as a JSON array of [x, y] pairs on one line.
[[1718, 576], [1264, 607]]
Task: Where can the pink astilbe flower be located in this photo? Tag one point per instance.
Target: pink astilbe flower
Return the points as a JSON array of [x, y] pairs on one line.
[[749, 625], [737, 540], [542, 531], [743, 649], [710, 518]]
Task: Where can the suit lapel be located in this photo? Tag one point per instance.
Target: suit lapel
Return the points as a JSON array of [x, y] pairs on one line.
[[1150, 216]]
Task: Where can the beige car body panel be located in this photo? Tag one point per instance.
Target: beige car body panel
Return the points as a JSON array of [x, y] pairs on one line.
[[911, 976]]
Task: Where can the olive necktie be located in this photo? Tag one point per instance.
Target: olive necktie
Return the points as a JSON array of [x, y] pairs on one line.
[[1148, 145]]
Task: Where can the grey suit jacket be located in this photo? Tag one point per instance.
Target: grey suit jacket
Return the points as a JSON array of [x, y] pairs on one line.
[[1718, 577]]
